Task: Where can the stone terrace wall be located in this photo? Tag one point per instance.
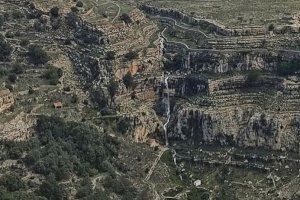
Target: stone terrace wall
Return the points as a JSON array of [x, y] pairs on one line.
[[222, 61]]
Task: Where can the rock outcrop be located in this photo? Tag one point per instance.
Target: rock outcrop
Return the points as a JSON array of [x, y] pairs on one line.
[[6, 100]]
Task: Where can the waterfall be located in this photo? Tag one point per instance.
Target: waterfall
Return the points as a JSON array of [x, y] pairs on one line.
[[168, 111]]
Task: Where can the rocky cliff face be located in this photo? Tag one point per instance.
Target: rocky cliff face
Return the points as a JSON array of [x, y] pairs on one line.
[[230, 109], [226, 61], [241, 126], [265, 114], [221, 62], [6, 100]]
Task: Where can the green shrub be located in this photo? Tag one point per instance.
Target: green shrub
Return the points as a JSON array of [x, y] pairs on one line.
[[68, 41], [128, 80], [271, 27], [85, 188], [3, 72], [160, 107], [4, 194], [17, 14], [18, 68], [98, 194], [24, 42], [54, 11], [167, 158], [131, 55], [74, 99], [31, 90], [286, 68], [198, 194], [79, 4], [123, 125], [53, 74], [126, 18], [5, 49], [74, 9], [9, 86], [1, 21], [226, 193], [12, 77], [72, 18], [175, 63], [110, 55], [12, 182], [253, 76], [112, 87], [51, 189], [37, 55], [121, 186]]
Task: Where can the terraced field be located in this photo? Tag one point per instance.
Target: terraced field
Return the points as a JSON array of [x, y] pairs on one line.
[[236, 12]]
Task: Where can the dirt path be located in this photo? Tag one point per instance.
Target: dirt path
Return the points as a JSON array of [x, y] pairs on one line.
[[154, 164], [34, 109], [88, 12]]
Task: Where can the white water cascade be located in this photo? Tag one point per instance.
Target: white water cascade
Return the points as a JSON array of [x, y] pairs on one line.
[[168, 111]]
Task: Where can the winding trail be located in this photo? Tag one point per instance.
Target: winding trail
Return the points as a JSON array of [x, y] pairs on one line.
[[119, 10], [183, 27]]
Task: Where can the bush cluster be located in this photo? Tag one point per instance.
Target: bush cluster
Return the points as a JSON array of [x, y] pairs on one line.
[[126, 18], [37, 55], [288, 67], [5, 49], [175, 63], [53, 75]]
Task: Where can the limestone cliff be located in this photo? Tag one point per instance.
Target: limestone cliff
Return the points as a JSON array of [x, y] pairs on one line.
[[264, 115], [245, 127]]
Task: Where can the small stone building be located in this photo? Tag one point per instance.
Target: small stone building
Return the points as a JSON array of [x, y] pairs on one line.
[[6, 100], [57, 105]]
